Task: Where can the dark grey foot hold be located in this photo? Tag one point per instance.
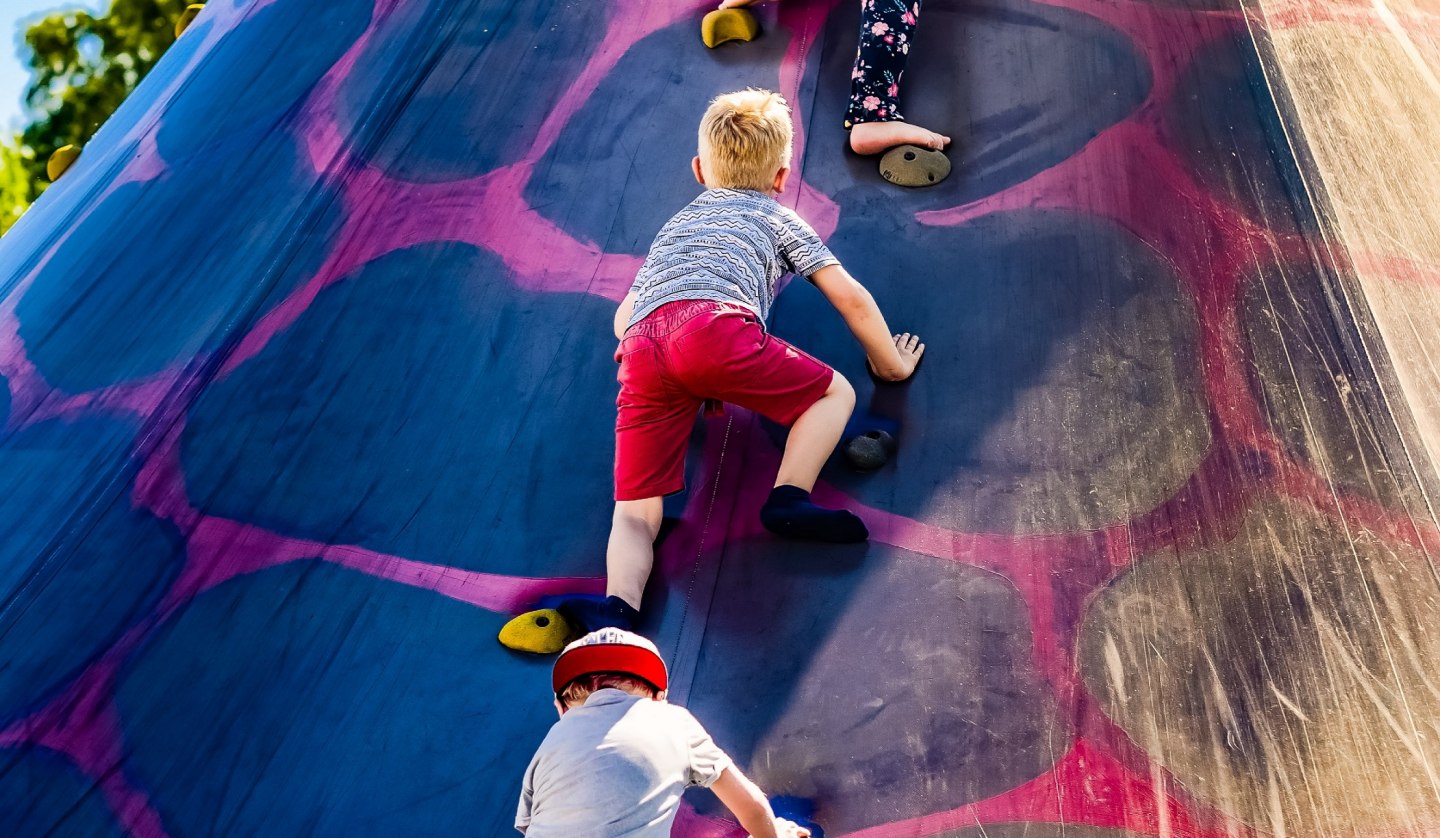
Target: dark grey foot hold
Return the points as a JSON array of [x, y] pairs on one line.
[[913, 166], [870, 450]]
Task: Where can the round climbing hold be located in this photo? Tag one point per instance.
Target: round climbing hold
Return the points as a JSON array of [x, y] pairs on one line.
[[187, 17], [724, 25], [61, 161], [542, 632], [912, 166], [869, 451]]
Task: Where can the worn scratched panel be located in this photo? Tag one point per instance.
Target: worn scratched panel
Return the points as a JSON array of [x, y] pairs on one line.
[[309, 386]]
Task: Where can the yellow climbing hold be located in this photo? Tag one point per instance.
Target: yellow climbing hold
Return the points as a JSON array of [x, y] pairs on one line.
[[724, 25], [542, 632], [187, 17], [61, 161]]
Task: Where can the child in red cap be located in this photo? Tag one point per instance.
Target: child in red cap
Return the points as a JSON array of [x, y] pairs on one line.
[[616, 763]]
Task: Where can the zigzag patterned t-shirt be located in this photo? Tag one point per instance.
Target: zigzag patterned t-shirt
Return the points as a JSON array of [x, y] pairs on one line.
[[730, 246]]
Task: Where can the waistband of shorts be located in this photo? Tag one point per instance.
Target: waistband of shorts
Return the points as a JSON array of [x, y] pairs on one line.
[[670, 316]]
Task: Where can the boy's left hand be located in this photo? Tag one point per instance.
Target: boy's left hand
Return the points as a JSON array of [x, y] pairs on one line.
[[790, 829], [910, 349]]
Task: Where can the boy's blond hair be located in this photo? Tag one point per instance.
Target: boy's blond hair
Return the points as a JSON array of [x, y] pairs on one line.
[[745, 139], [581, 688]]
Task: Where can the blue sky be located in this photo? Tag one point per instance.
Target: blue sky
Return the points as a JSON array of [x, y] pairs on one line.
[[14, 77]]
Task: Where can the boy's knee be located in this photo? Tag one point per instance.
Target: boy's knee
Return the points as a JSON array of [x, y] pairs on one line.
[[647, 512], [841, 389]]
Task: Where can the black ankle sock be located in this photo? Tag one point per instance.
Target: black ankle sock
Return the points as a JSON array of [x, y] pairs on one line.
[[790, 513], [593, 614]]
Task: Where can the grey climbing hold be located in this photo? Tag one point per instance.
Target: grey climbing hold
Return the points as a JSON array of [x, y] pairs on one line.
[[913, 166], [869, 451]]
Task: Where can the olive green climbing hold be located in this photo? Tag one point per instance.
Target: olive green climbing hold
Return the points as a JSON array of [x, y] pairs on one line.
[[724, 25], [187, 17], [542, 632], [909, 165], [61, 161]]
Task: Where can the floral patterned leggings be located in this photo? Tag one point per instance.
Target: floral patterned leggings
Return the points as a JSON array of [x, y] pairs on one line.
[[886, 27]]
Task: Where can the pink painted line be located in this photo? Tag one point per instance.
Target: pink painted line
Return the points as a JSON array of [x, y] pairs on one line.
[[541, 255], [725, 494], [1300, 481], [623, 31], [691, 824], [1398, 268], [83, 724], [354, 248], [490, 591], [384, 216], [1086, 787], [1359, 14], [318, 127], [1210, 243], [138, 398], [806, 23], [220, 549]]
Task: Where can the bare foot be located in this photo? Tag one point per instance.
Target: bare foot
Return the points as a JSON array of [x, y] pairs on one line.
[[875, 137]]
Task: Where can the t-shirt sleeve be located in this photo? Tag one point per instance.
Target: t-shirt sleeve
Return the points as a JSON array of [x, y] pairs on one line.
[[800, 247], [707, 761], [527, 799]]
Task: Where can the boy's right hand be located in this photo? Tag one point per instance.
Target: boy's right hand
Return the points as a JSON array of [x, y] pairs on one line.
[[790, 829], [910, 350]]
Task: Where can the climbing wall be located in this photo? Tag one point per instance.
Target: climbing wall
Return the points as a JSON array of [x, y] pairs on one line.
[[310, 388]]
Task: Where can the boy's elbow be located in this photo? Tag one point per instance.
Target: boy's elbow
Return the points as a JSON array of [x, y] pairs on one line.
[[888, 372]]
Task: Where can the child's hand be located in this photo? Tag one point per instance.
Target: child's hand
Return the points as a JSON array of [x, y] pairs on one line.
[[736, 4], [910, 349], [789, 829]]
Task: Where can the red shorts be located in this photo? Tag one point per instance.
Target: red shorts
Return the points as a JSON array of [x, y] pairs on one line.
[[684, 354]]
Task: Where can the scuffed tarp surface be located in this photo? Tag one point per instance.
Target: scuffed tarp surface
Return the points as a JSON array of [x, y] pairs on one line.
[[309, 388]]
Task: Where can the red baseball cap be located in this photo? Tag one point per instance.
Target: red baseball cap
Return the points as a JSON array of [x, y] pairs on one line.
[[610, 650]]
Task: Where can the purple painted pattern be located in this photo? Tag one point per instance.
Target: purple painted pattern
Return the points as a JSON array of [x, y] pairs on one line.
[[1134, 174]]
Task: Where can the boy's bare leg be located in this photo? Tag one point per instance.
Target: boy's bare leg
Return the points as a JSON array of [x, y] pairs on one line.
[[815, 434], [632, 548], [788, 511], [627, 568]]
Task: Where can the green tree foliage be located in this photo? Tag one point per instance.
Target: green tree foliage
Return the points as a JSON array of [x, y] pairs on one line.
[[18, 187], [84, 66], [16, 191]]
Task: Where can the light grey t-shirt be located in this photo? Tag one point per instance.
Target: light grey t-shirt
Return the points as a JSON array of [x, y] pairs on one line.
[[728, 245], [615, 767]]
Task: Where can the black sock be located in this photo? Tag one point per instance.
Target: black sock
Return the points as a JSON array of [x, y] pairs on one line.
[[592, 614], [790, 513]]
